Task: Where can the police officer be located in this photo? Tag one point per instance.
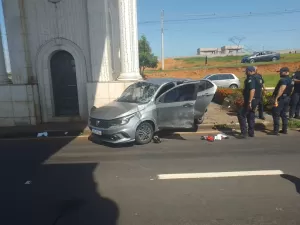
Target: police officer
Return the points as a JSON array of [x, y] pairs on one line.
[[260, 83], [295, 100], [251, 95], [281, 96]]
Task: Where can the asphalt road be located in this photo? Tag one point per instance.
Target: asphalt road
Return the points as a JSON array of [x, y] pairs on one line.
[[65, 181]]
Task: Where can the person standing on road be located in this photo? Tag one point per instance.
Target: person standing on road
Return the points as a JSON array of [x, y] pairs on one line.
[[281, 96], [295, 100], [261, 84], [251, 94]]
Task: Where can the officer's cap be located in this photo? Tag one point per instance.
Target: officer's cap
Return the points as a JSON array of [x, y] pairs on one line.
[[250, 69], [284, 69]]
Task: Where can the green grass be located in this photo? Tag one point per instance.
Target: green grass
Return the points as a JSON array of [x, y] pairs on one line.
[[199, 59], [271, 79], [193, 60], [293, 123]]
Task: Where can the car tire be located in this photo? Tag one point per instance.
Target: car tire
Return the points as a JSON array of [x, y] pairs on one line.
[[274, 59], [233, 86], [199, 121], [252, 61], [144, 133]]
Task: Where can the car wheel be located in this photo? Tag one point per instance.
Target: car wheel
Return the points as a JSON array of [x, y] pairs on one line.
[[199, 121], [144, 133], [233, 86], [252, 61], [274, 59]]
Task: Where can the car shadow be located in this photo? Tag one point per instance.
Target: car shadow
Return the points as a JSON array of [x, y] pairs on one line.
[[294, 180], [95, 140]]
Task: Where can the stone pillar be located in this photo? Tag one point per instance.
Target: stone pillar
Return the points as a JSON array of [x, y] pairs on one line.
[[129, 40], [15, 21], [3, 74]]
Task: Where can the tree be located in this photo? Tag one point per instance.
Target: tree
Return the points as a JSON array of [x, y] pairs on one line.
[[146, 57]]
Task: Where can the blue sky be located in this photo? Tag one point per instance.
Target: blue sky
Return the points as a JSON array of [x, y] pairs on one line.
[[269, 32]]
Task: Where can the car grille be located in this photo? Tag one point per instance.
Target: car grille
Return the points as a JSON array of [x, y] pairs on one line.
[[100, 123]]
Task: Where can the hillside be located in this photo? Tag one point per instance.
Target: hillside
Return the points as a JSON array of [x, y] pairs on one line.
[[195, 68]]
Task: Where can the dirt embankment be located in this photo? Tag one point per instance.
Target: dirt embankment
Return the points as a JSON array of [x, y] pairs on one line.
[[182, 69]]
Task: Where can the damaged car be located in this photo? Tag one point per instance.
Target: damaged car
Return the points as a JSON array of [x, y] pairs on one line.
[[149, 106]]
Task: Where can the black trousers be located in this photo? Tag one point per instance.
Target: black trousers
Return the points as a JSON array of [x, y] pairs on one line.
[[295, 105], [261, 108], [246, 115], [281, 112]]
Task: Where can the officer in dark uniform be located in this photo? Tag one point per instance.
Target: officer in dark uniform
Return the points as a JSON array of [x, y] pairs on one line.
[[251, 94], [261, 83], [281, 96], [295, 100]]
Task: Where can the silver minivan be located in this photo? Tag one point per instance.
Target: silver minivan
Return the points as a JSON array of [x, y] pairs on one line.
[[146, 107]]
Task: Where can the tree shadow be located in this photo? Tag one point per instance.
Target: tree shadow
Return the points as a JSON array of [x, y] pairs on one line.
[[294, 180]]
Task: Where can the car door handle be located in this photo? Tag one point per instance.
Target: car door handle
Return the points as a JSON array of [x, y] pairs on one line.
[[188, 105]]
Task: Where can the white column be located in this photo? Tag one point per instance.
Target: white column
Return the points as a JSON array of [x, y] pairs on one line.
[[129, 40], [17, 41], [3, 74]]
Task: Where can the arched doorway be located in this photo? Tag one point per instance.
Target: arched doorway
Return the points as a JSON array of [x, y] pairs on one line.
[[64, 84]]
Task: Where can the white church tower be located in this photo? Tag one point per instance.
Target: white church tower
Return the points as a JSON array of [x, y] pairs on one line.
[[66, 56]]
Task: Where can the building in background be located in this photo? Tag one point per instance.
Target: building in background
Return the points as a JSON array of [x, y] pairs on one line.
[[66, 56], [223, 51]]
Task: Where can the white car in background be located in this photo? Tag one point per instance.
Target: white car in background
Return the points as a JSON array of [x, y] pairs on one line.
[[226, 80]]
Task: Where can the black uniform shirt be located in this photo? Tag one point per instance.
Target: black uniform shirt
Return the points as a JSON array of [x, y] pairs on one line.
[[249, 85], [297, 85], [259, 84], [286, 80]]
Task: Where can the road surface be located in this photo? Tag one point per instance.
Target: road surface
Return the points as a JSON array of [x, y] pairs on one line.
[[182, 181]]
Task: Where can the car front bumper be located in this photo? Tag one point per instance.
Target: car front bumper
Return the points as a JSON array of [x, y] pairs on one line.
[[117, 134]]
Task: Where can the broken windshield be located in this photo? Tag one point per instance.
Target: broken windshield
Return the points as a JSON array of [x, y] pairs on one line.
[[140, 92]]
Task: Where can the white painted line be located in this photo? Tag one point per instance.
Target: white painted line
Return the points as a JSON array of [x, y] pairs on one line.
[[219, 174], [28, 182]]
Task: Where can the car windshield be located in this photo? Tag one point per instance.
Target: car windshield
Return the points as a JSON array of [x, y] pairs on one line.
[[140, 92], [207, 76]]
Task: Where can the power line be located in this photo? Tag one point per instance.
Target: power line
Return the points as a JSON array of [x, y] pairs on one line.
[[250, 14]]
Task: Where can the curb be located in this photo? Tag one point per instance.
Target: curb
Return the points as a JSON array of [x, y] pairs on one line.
[[202, 129]]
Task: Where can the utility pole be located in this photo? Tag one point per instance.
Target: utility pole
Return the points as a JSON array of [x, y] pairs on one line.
[[162, 41]]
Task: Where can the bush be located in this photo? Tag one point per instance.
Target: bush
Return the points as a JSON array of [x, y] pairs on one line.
[[233, 99]]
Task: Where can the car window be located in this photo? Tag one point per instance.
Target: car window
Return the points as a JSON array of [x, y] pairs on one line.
[[180, 94], [213, 77], [204, 85], [230, 77], [165, 89]]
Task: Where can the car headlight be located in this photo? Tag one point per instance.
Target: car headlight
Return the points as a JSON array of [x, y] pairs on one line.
[[121, 121]]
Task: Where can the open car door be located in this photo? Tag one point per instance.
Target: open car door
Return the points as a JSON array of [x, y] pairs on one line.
[[205, 93], [175, 108]]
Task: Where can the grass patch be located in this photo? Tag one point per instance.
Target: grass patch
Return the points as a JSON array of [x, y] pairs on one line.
[[293, 123], [271, 79], [193, 60]]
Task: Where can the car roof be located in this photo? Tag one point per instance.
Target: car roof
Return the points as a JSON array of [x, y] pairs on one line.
[[220, 74], [161, 81]]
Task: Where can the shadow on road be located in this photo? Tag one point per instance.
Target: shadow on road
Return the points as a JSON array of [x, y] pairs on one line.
[[34, 192], [68, 194], [294, 180]]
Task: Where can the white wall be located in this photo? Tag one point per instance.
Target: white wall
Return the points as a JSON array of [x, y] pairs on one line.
[[18, 105]]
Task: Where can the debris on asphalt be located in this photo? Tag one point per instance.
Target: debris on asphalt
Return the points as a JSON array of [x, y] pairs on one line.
[[66, 133], [28, 182], [156, 139], [217, 137], [42, 134]]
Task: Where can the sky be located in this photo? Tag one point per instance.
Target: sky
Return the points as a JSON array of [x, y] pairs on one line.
[[211, 23], [267, 29]]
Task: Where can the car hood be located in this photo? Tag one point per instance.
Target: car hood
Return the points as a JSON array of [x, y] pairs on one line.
[[246, 57], [114, 110]]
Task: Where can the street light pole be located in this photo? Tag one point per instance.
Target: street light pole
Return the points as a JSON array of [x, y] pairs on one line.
[[162, 41]]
